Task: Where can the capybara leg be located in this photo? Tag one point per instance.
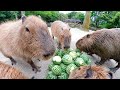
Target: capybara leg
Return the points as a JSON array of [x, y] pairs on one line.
[[13, 61], [115, 68], [34, 67], [101, 62]]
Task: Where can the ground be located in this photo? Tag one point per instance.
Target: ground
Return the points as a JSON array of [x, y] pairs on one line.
[[27, 70]]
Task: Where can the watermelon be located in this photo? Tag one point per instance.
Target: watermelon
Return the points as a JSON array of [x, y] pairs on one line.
[[85, 57], [88, 62], [79, 62], [50, 75], [63, 76], [61, 53], [70, 68], [56, 59], [63, 67], [78, 54], [56, 52], [77, 50], [56, 69], [73, 54], [67, 59], [50, 66]]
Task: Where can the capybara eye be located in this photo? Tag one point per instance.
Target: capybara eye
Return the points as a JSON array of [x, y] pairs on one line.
[[88, 35], [79, 68], [27, 29]]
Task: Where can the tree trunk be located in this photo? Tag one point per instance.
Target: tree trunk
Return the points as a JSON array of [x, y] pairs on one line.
[[86, 22], [22, 13]]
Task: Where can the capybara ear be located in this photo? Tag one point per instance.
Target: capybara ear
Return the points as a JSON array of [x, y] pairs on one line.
[[89, 73], [62, 28], [23, 18], [88, 35]]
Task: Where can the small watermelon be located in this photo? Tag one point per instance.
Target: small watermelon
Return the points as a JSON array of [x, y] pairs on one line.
[[67, 59], [56, 60], [88, 62], [73, 54], [79, 62], [50, 66], [63, 76], [50, 75], [78, 54], [70, 68], [61, 53], [56, 69], [63, 67], [77, 50], [85, 57]]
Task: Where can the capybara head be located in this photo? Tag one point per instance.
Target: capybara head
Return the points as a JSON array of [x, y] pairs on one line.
[[85, 43], [35, 38], [90, 72], [65, 38]]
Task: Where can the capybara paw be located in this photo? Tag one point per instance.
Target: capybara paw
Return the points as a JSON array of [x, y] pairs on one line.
[[36, 69], [114, 69], [13, 62]]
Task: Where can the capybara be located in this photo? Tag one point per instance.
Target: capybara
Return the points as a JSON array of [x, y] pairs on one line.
[[104, 43], [27, 38], [90, 72], [61, 31], [9, 72]]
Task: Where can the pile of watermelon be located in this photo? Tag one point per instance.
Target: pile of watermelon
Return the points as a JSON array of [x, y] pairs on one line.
[[65, 61]]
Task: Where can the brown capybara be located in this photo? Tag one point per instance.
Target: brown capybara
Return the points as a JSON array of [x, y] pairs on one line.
[[90, 72], [28, 39], [104, 43], [61, 31], [9, 72]]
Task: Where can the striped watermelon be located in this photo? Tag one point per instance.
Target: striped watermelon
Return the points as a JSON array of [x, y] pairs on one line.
[[50, 75], [70, 68], [67, 59], [63, 67], [63, 76], [50, 66], [56, 69]]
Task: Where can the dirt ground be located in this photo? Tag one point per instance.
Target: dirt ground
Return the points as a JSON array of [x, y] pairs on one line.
[[27, 70]]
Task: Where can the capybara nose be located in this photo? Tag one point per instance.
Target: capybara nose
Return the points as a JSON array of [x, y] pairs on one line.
[[46, 54], [66, 47]]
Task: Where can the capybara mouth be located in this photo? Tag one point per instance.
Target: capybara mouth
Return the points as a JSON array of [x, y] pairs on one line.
[[48, 55]]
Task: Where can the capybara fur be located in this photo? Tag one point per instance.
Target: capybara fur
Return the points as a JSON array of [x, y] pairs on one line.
[[9, 72], [90, 72], [61, 31], [104, 43], [27, 38]]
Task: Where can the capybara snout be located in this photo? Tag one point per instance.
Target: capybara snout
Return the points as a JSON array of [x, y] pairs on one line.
[[48, 54], [67, 41]]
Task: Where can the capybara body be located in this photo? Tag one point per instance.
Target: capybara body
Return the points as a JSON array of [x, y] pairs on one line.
[[27, 38], [61, 31], [104, 43], [90, 72], [9, 72]]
